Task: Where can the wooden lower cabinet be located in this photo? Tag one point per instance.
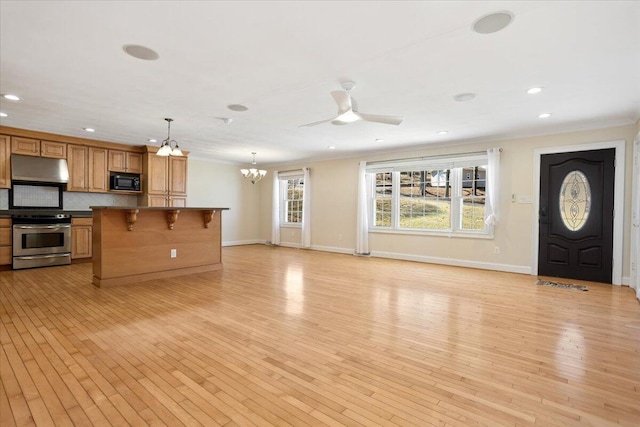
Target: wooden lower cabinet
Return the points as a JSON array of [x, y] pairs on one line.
[[81, 238], [6, 249]]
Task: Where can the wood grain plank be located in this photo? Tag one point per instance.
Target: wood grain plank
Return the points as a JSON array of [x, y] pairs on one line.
[[289, 337]]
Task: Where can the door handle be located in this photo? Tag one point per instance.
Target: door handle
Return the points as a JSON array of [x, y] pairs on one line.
[[542, 216]]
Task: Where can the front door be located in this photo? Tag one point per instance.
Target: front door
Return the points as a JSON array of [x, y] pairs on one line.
[[576, 215]]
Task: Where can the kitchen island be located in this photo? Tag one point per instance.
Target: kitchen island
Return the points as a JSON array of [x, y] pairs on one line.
[[135, 244]]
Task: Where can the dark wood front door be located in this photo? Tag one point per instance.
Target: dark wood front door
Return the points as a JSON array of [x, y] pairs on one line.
[[576, 215]]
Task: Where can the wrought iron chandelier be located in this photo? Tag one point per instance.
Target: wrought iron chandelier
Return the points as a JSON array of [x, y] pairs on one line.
[[253, 174], [169, 147]]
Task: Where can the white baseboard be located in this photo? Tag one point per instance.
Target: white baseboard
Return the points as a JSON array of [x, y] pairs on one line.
[[626, 281], [455, 262], [244, 242], [348, 251]]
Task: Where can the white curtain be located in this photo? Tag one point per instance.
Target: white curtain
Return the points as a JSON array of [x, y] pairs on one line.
[[492, 186], [362, 221], [306, 210], [275, 211]]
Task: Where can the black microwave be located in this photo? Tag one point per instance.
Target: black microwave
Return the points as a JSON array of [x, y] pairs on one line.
[[124, 181]]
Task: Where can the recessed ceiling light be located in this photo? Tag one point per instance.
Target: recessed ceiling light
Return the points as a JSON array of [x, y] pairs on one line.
[[379, 140], [11, 97], [4, 115], [443, 132], [152, 140], [89, 129], [492, 23], [534, 90], [237, 107], [331, 147], [544, 115], [141, 52], [464, 97]]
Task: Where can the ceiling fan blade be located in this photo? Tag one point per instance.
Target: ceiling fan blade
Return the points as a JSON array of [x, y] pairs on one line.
[[343, 99], [317, 123], [387, 120]]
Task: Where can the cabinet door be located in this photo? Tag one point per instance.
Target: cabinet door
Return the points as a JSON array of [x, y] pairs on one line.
[[178, 176], [81, 245], [98, 174], [5, 163], [77, 159], [117, 161], [177, 202], [156, 176], [134, 162], [56, 150], [156, 201], [26, 146]]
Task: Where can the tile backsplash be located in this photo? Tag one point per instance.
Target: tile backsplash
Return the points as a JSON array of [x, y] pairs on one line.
[[38, 196], [4, 199], [81, 201]]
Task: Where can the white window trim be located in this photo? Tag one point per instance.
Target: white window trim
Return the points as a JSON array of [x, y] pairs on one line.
[[455, 164], [283, 179]]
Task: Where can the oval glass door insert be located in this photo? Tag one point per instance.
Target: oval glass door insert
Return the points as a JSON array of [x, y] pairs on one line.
[[575, 200]]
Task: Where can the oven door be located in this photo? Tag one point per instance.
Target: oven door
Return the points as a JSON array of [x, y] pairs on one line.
[[40, 239]]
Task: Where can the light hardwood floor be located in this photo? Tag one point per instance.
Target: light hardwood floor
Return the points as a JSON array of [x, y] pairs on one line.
[[293, 337]]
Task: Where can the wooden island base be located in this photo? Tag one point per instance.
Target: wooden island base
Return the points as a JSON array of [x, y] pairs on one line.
[[136, 244]]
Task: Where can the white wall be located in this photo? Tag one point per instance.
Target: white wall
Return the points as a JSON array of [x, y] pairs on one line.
[[222, 186], [334, 206]]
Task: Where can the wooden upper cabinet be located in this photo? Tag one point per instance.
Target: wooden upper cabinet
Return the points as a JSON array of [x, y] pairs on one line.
[[77, 161], [56, 150], [98, 173], [178, 176], [117, 161], [134, 162], [35, 147], [125, 161], [25, 146], [5, 161], [157, 179]]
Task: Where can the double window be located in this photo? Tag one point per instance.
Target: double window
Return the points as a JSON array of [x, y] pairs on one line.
[[439, 195]]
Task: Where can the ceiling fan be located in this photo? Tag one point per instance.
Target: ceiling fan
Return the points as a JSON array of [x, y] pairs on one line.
[[348, 110]]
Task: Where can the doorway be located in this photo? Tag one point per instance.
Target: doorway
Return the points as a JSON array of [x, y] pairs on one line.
[[576, 215], [615, 276]]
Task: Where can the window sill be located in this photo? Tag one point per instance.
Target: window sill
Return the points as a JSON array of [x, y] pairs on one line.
[[290, 225], [457, 234]]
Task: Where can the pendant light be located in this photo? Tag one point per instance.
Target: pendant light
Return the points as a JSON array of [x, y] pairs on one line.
[[253, 174], [169, 147]]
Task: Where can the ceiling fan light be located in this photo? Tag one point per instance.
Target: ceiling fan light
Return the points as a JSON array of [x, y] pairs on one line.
[[348, 117]]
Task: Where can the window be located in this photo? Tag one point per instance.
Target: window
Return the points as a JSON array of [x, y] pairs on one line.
[[293, 191], [444, 196]]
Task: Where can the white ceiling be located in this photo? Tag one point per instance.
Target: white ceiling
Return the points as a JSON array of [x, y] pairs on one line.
[[282, 59]]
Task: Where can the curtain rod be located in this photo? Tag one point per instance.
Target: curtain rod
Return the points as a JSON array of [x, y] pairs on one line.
[[439, 156], [292, 170]]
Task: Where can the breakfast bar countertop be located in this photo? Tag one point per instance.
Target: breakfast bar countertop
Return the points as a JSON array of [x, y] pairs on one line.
[[155, 208]]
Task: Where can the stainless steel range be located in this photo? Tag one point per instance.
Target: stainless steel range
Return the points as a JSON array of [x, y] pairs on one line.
[[41, 239]]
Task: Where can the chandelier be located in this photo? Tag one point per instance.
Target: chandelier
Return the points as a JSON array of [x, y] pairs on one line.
[[253, 174], [169, 147]]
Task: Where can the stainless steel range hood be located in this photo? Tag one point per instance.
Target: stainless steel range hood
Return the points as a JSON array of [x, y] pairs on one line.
[[39, 169]]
